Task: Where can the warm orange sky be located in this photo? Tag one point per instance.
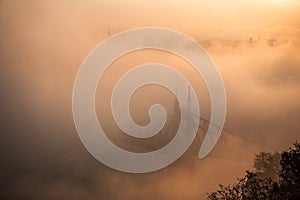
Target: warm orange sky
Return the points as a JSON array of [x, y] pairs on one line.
[[43, 43], [198, 18]]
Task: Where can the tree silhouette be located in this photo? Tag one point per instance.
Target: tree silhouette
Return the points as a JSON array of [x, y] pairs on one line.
[[290, 172], [267, 165], [252, 186], [249, 187]]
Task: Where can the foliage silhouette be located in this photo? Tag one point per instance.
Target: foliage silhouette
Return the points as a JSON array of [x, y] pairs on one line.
[[255, 186]]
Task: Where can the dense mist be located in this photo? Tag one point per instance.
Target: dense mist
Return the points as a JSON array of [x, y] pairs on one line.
[[42, 45]]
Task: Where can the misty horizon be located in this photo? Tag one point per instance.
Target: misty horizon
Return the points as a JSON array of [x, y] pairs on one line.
[[254, 45]]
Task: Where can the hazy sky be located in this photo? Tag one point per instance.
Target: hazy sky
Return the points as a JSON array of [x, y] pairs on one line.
[[43, 43]]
